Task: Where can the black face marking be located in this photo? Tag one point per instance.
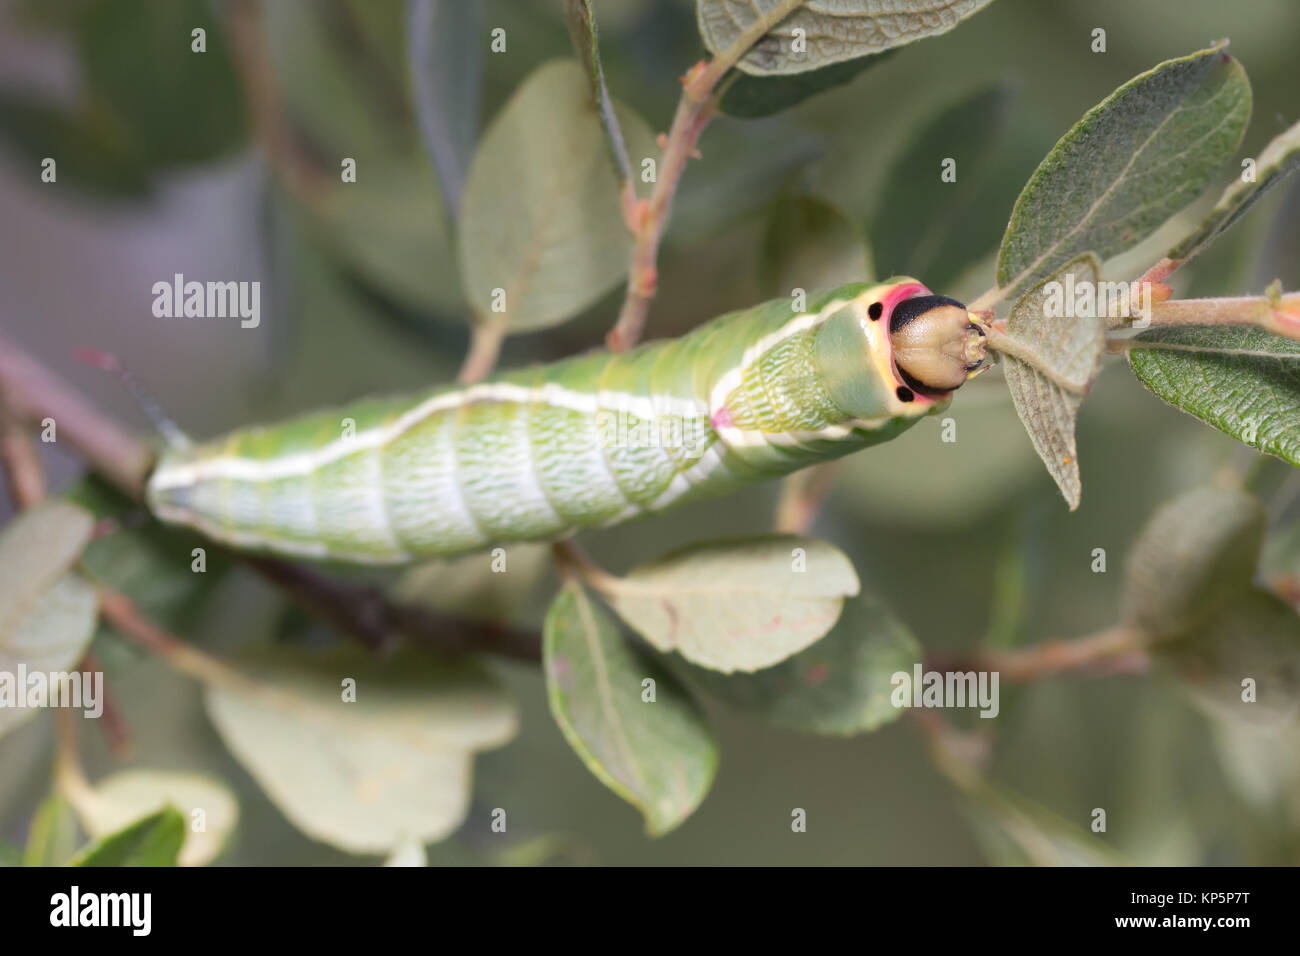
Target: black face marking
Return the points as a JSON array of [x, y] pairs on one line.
[[916, 385], [874, 310], [909, 309], [904, 393]]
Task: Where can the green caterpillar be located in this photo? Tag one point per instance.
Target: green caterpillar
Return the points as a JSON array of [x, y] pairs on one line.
[[589, 441]]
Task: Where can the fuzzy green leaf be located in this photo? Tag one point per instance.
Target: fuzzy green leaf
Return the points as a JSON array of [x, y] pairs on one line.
[[834, 30], [1188, 584], [1048, 399], [1134, 160], [657, 754], [1195, 554], [737, 605], [362, 775], [541, 218], [47, 611], [1278, 158], [840, 686], [1245, 382], [581, 18]]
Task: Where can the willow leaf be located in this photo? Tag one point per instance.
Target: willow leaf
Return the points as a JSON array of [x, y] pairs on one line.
[[819, 33], [633, 725], [1047, 399], [1277, 160], [542, 232], [839, 687], [1134, 160], [393, 763], [1245, 382], [737, 605]]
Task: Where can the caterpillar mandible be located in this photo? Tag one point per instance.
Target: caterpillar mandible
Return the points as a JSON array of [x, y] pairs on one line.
[[588, 441]]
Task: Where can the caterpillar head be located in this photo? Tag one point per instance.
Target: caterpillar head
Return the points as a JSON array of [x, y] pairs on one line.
[[896, 351], [936, 345]]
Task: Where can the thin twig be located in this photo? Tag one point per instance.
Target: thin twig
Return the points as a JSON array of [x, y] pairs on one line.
[[1276, 314], [802, 496], [115, 728], [485, 341], [34, 394], [1116, 649], [124, 615], [376, 621], [292, 165], [125, 459], [20, 460], [573, 561], [650, 217]]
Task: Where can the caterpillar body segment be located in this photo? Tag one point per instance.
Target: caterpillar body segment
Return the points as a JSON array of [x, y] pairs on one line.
[[589, 441]]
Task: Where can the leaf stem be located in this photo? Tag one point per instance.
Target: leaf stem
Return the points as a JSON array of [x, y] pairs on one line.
[[486, 337], [802, 496], [127, 618], [574, 562], [1274, 313], [1119, 648], [32, 393], [694, 110], [987, 300], [580, 17], [1000, 341], [20, 461]]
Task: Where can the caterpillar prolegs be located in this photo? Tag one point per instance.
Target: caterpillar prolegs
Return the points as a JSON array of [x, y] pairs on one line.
[[589, 441]]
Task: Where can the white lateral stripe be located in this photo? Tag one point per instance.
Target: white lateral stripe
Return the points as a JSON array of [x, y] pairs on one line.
[[252, 539], [729, 379], [688, 479], [727, 382], [181, 475]]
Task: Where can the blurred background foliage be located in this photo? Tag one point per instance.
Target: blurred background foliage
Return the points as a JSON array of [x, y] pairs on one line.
[[167, 171]]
